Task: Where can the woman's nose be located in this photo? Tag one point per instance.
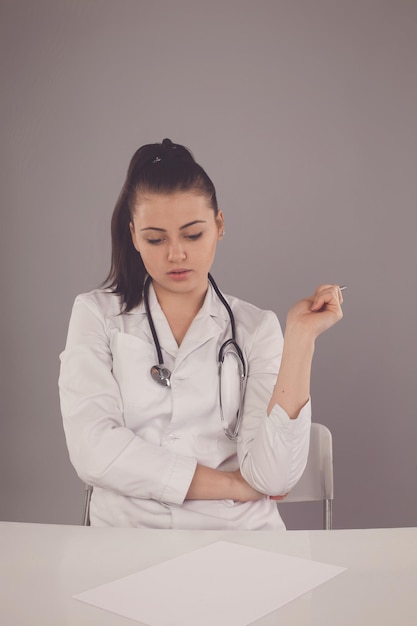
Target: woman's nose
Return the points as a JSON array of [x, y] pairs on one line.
[[176, 253]]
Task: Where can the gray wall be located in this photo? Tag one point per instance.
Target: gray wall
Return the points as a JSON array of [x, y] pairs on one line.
[[304, 114]]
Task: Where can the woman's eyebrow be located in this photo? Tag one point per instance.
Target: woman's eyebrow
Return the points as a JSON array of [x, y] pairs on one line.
[[163, 230], [192, 224]]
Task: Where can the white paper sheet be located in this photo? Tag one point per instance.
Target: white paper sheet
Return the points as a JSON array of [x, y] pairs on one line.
[[223, 583]]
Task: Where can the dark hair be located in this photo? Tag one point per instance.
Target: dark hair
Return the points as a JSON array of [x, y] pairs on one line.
[[154, 168]]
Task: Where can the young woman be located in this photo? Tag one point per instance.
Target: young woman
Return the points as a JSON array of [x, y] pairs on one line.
[[166, 437]]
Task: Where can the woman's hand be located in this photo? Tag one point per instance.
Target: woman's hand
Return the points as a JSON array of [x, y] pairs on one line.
[[247, 493], [278, 497], [306, 320], [243, 492], [317, 313]]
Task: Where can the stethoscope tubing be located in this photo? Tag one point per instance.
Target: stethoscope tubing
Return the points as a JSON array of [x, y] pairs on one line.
[[150, 320], [162, 375]]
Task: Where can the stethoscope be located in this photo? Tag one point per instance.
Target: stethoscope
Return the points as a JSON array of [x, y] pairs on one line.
[[162, 375]]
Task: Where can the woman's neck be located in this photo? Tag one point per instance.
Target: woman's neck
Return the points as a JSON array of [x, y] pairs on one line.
[[180, 309]]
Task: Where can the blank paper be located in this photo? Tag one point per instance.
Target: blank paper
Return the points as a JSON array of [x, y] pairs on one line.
[[222, 583]]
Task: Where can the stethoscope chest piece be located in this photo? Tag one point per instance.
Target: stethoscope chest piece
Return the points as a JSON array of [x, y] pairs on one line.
[[161, 374]]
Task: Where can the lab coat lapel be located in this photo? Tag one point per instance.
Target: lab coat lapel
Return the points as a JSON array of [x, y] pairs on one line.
[[141, 327], [211, 321]]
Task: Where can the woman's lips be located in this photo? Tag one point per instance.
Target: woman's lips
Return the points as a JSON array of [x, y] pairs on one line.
[[179, 274]]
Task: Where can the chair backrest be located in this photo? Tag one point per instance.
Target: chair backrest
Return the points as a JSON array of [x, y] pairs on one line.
[[86, 510], [316, 483]]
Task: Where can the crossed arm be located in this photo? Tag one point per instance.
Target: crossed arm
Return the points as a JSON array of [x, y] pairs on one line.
[[106, 453], [305, 322]]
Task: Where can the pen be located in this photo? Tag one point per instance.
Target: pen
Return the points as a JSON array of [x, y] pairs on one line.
[[343, 287]]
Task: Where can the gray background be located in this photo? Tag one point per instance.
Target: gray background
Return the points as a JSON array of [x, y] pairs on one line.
[[304, 114]]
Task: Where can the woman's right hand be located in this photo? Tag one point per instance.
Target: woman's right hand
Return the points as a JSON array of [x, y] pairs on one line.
[[244, 492]]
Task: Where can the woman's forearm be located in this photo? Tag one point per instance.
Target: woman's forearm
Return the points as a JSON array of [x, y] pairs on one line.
[[212, 484], [292, 389]]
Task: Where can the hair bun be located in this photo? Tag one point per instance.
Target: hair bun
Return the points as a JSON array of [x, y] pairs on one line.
[[174, 151], [167, 144]]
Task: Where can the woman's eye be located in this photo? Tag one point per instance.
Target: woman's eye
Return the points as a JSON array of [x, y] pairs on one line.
[[155, 242], [194, 237]]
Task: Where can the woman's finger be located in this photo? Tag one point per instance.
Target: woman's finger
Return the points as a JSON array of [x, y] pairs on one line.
[[326, 295], [278, 497]]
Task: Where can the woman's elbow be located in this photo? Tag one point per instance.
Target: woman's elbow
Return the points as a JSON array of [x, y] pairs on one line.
[[270, 480]]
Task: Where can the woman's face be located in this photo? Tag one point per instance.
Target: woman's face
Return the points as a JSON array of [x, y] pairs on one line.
[[176, 236]]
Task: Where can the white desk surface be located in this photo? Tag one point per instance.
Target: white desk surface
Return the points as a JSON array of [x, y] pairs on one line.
[[42, 566]]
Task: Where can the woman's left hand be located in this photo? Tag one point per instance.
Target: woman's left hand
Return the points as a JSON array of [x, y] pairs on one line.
[[278, 498], [318, 312]]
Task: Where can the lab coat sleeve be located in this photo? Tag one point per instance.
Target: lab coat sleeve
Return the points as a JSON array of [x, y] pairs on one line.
[[103, 451], [272, 450]]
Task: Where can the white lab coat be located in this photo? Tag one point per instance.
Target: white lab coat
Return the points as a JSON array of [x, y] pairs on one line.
[[138, 442]]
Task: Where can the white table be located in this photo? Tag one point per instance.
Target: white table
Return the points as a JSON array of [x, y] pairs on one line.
[[42, 566]]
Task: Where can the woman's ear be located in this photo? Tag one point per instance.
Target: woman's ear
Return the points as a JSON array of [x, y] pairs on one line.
[[133, 234], [220, 224]]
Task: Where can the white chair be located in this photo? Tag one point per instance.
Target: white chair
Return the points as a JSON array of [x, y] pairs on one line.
[[86, 512], [316, 483]]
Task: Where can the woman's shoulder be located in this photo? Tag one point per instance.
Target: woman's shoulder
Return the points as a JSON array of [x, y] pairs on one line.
[[251, 315], [256, 329], [103, 302]]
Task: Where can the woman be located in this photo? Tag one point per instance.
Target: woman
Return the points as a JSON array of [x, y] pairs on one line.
[[139, 384]]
